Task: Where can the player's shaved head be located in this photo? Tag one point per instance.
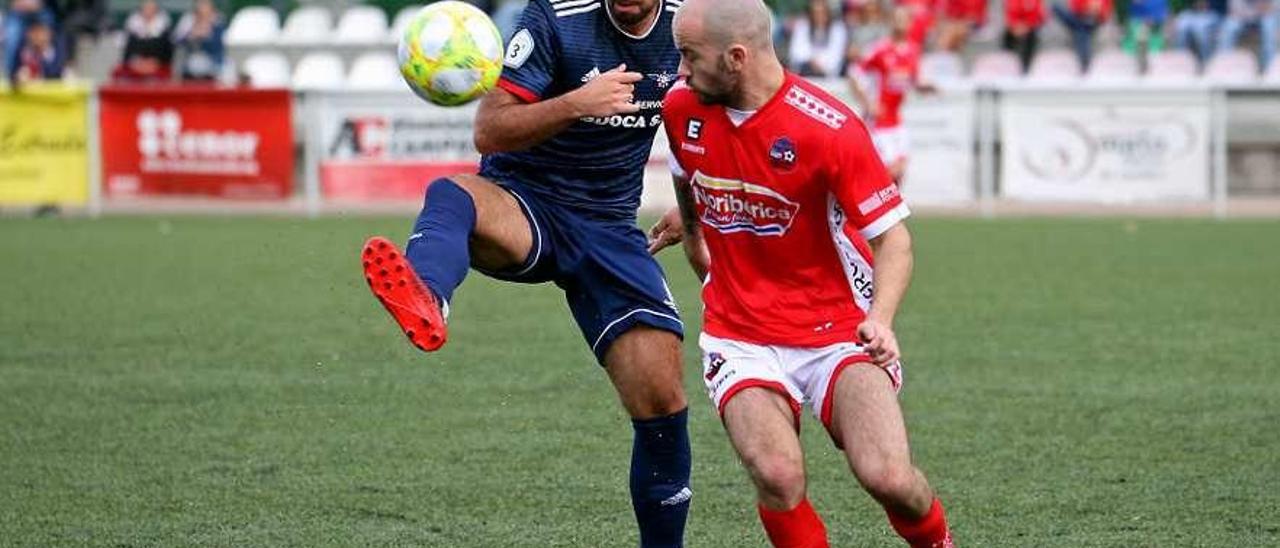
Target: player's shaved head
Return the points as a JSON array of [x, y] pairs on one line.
[[724, 23]]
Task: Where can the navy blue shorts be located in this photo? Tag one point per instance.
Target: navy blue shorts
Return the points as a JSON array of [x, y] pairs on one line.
[[604, 267]]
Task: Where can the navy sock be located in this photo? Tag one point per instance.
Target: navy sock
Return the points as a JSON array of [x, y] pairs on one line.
[[660, 462], [439, 248]]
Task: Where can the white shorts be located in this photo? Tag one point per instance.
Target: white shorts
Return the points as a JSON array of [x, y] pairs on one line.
[[803, 375], [891, 143]]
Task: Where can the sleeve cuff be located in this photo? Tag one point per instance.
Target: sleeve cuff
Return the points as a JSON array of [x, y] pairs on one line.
[[885, 222], [518, 90]]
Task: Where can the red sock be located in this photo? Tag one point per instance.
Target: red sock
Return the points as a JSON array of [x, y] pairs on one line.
[[929, 531], [799, 527]]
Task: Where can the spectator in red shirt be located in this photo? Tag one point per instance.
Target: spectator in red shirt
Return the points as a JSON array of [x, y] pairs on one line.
[[922, 19], [961, 18], [1082, 18], [1022, 22]]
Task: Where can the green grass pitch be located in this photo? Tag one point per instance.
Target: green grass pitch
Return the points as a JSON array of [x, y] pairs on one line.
[[229, 382]]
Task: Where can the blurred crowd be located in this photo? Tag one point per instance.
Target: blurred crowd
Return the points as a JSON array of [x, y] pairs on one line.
[[820, 38], [41, 36], [826, 40]]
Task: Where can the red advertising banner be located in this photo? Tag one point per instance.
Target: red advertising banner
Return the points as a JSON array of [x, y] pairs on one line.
[[174, 140], [375, 181]]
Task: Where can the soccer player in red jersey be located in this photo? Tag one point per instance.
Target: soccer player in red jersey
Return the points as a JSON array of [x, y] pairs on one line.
[[894, 64], [797, 231]]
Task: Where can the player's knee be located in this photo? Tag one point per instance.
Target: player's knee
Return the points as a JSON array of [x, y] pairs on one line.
[[779, 478], [889, 482]]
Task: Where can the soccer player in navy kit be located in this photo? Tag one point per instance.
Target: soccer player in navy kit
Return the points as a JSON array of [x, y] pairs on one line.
[[564, 141]]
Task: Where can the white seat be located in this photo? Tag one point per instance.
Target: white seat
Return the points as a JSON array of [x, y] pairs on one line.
[[1232, 67], [402, 20], [1272, 74], [307, 25], [267, 69], [318, 71], [995, 66], [1055, 65], [252, 26], [361, 25], [1113, 66], [941, 66], [1171, 67], [375, 71]]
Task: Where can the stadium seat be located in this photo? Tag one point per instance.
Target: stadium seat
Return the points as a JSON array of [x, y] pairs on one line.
[[362, 25], [402, 20], [941, 66], [1272, 75], [1113, 66], [375, 71], [253, 26], [267, 69], [994, 66], [318, 71], [308, 25], [1232, 67], [1055, 65], [1171, 67]]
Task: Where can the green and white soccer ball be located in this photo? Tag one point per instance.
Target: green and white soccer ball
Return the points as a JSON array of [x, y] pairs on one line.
[[451, 53]]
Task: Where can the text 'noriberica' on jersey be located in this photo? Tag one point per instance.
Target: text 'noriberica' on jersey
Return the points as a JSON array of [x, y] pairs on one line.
[[597, 164], [787, 202]]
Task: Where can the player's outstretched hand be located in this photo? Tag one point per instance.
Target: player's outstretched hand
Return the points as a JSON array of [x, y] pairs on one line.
[[668, 231], [879, 341], [607, 94]]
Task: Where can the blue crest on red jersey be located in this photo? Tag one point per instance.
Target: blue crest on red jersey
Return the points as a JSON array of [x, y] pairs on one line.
[[783, 154]]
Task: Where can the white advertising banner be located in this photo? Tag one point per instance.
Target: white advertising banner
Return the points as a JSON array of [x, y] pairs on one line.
[[391, 125], [1105, 146], [940, 162]]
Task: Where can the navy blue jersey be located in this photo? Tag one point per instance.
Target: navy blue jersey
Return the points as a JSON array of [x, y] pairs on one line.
[[596, 166]]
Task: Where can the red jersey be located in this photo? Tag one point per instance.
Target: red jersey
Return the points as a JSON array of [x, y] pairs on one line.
[[973, 11], [921, 19], [1097, 10], [787, 202], [896, 65], [1025, 13]]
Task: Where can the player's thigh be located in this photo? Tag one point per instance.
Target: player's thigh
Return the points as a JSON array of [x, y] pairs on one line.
[[502, 238], [644, 364], [867, 420], [761, 424]]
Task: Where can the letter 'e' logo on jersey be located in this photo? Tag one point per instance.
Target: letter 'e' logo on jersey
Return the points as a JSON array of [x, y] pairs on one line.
[[694, 129], [519, 49]]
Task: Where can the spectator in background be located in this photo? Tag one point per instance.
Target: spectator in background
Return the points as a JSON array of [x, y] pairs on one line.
[[1195, 24], [865, 23], [148, 52], [1263, 15], [1082, 18], [818, 42], [961, 18], [1022, 22], [199, 36], [1146, 25], [80, 18], [38, 58], [922, 19], [21, 14]]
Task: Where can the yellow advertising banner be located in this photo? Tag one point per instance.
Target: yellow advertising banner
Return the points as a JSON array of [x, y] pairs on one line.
[[44, 145]]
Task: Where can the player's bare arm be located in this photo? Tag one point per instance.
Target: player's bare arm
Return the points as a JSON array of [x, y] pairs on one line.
[[506, 123], [894, 263], [695, 248], [668, 231]]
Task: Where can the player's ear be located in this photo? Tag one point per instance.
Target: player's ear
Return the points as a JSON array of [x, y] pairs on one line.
[[736, 57]]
